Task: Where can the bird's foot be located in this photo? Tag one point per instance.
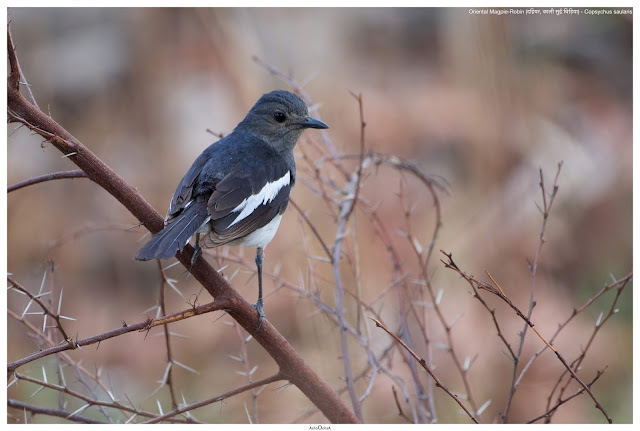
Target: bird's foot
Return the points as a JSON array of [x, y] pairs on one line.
[[258, 306]]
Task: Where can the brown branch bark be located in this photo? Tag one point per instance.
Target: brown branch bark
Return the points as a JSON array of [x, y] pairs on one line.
[[47, 177], [291, 365]]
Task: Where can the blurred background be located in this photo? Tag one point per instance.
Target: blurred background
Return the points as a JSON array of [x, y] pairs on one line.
[[483, 102]]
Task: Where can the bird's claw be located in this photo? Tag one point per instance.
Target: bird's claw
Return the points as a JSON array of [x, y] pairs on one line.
[[258, 306]]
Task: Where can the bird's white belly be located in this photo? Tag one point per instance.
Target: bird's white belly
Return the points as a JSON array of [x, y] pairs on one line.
[[260, 237]]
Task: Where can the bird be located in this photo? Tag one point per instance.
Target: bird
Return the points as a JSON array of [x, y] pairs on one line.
[[237, 190]]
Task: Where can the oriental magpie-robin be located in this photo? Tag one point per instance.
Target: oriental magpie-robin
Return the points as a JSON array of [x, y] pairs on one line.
[[237, 189]]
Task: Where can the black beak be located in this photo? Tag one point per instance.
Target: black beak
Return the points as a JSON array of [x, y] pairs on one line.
[[312, 123]]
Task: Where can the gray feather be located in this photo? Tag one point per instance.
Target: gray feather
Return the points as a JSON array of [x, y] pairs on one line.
[[172, 238]]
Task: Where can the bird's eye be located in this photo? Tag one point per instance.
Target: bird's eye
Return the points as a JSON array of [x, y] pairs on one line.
[[279, 117]]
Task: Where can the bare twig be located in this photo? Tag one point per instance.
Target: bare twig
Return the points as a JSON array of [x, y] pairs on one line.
[[423, 363], [401, 288], [312, 227], [51, 412], [374, 360], [81, 370], [248, 372], [45, 308], [534, 270], [345, 210], [93, 401], [484, 286], [47, 177], [87, 230], [575, 365], [401, 413], [551, 410], [446, 326], [167, 336], [576, 311], [491, 311], [18, 78], [266, 381], [221, 304]]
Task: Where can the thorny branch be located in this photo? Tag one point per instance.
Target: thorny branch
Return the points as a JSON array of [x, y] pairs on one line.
[[80, 370], [560, 402], [346, 209], [221, 304], [375, 360], [177, 411], [92, 401], [290, 363], [575, 365], [47, 177], [167, 336], [344, 198], [423, 363], [248, 372], [435, 303], [546, 209], [619, 284], [479, 285], [51, 412], [47, 311]]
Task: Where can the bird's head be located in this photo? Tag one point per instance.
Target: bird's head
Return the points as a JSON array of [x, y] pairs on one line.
[[280, 117]]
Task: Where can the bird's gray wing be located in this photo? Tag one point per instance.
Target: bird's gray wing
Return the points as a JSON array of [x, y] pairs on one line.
[[246, 200], [185, 191]]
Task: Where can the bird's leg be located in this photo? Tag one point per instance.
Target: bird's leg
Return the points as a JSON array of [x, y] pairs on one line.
[[196, 252], [258, 305]]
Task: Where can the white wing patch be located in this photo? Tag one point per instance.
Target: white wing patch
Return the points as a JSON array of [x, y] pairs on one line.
[[264, 196]]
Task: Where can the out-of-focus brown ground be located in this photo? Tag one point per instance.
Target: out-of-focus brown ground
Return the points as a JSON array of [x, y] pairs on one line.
[[483, 102]]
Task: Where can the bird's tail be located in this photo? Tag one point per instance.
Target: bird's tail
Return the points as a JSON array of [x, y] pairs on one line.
[[174, 237]]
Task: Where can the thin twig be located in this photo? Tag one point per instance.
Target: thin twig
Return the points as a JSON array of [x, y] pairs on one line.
[[312, 227], [576, 311], [215, 399], [18, 78], [575, 365], [423, 363], [534, 270], [45, 308], [167, 336], [337, 250], [401, 413], [495, 291], [248, 373], [93, 401], [221, 304], [51, 412], [47, 177], [551, 410], [491, 311]]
